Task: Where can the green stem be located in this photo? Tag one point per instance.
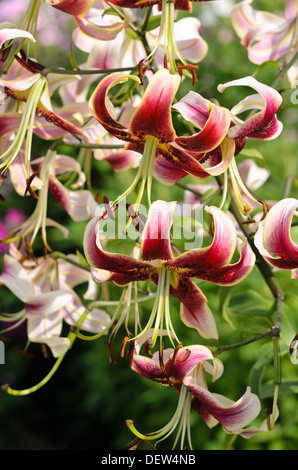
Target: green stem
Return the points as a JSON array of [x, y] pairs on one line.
[[63, 71]]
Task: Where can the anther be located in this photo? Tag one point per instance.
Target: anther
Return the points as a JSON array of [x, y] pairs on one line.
[[190, 67]]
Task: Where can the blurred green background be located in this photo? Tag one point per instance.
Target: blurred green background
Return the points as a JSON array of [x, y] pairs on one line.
[[86, 403]]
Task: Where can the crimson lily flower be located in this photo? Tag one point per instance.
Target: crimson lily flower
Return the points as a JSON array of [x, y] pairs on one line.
[[186, 370], [151, 132], [273, 238], [172, 275], [262, 125]]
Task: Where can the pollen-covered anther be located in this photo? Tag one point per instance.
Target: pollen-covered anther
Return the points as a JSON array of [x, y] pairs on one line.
[[189, 67], [122, 349], [266, 209], [28, 185], [177, 349], [141, 70]]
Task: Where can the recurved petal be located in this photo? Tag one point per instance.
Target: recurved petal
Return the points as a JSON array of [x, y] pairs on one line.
[[98, 103], [148, 368], [213, 257], [77, 8], [212, 134], [194, 108], [7, 34], [232, 273], [232, 415], [100, 259], [269, 101], [156, 243], [195, 312], [273, 237], [153, 115], [186, 359], [95, 26]]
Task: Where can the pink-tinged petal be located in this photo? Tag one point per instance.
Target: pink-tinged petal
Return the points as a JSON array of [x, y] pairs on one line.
[[98, 102], [166, 172], [80, 205], [156, 243], [184, 363], [271, 101], [77, 8], [232, 415], [44, 108], [194, 108], [195, 312], [212, 134], [232, 273], [9, 124], [123, 160], [218, 254], [188, 40], [148, 368], [15, 278], [291, 10], [95, 26], [243, 17], [100, 259], [153, 115], [273, 237], [21, 83], [7, 34], [42, 327], [47, 303]]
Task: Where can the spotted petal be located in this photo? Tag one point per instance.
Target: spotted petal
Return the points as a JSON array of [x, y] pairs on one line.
[[100, 259], [263, 124]]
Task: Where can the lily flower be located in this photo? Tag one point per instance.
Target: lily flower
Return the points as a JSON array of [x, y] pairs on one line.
[[273, 237], [186, 370], [171, 274], [151, 132], [32, 88], [77, 8], [262, 125], [45, 286], [166, 31], [267, 36]]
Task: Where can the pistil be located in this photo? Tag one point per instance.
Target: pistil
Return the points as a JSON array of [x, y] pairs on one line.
[[181, 415]]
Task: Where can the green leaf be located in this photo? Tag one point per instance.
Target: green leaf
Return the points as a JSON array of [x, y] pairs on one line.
[[153, 23], [265, 64], [288, 386], [257, 324], [72, 58], [289, 324], [249, 303], [224, 298], [257, 371]]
